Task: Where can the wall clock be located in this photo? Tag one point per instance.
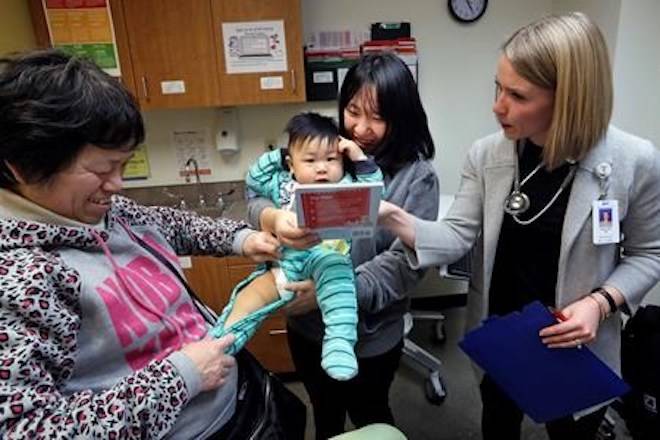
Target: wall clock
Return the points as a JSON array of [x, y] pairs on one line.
[[467, 11]]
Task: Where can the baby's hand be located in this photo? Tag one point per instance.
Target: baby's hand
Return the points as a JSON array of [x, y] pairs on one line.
[[351, 149]]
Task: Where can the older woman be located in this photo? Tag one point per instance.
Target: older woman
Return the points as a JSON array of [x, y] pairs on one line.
[[99, 337], [530, 201]]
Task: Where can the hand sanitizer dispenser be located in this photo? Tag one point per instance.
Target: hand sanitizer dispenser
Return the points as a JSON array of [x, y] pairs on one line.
[[226, 139]]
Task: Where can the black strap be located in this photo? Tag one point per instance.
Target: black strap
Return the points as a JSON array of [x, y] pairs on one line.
[[208, 314], [610, 301]]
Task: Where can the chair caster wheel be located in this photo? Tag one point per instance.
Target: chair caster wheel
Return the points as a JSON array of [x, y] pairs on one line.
[[434, 388]]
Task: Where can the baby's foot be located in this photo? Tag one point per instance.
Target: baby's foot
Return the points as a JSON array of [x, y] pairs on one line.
[[338, 359]]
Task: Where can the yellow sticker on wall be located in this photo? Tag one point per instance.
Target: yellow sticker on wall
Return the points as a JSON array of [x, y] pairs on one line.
[[138, 166]]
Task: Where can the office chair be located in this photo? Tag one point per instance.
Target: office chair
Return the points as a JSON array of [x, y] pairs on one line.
[[434, 387]]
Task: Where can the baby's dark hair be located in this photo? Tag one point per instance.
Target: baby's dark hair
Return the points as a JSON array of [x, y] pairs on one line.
[[307, 126]]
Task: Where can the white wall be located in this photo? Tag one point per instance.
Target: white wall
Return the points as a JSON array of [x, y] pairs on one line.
[[637, 69], [604, 12], [257, 126], [637, 76], [456, 62], [456, 82]]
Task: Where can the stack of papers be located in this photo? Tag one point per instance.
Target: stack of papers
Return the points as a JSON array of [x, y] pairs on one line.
[[546, 383]]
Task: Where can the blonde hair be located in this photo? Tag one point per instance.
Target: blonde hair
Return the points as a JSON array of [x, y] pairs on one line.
[[567, 54]]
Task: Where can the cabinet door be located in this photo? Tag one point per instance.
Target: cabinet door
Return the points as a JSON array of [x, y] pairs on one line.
[[172, 52], [265, 87], [208, 278]]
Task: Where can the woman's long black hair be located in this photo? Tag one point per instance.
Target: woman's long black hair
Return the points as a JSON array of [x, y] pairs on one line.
[[408, 137]]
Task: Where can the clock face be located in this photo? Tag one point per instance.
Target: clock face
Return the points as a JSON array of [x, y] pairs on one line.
[[467, 11]]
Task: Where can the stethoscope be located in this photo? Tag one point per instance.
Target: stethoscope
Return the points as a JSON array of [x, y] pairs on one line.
[[517, 202]]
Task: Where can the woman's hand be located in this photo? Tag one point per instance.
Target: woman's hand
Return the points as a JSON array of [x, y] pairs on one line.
[[351, 150], [386, 210], [209, 357], [305, 300], [285, 228], [261, 246], [397, 221], [580, 326]]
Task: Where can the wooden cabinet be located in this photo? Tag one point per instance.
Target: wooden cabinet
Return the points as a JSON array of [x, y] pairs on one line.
[[171, 52], [251, 88], [213, 280], [208, 278]]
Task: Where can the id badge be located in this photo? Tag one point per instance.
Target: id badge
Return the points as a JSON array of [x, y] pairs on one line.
[[605, 221]]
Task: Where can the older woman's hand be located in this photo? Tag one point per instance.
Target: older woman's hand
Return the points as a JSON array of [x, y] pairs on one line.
[[582, 319], [305, 300], [285, 228], [261, 246], [209, 357]]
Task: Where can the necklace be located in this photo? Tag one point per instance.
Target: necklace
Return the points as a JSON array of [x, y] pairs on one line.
[[518, 202]]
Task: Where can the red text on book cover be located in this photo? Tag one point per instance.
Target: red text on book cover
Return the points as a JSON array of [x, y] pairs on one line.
[[336, 209]]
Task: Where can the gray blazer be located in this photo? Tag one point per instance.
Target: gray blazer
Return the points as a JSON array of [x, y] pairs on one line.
[[475, 218]]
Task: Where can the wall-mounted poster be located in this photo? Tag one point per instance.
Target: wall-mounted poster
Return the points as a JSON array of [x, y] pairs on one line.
[[192, 144], [137, 167], [83, 27], [254, 46]]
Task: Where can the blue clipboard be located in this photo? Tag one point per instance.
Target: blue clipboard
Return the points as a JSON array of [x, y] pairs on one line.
[[546, 383]]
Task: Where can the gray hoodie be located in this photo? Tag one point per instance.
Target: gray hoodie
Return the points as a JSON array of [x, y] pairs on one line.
[[91, 324]]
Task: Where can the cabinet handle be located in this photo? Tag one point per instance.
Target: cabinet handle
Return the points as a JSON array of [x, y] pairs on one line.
[[293, 80], [277, 332], [145, 89]]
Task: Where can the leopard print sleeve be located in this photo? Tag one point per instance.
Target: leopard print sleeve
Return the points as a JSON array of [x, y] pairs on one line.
[[39, 323], [187, 232]]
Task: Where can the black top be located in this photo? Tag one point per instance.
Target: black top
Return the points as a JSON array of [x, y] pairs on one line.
[[527, 256]]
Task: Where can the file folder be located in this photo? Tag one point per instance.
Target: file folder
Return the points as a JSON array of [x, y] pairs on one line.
[[546, 383]]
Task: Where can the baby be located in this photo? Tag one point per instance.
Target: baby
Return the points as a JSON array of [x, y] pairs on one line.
[[315, 154]]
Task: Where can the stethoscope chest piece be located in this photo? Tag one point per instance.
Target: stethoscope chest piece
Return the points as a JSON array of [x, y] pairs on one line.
[[516, 203]]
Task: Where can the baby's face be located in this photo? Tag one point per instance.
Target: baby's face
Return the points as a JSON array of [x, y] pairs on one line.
[[316, 161]]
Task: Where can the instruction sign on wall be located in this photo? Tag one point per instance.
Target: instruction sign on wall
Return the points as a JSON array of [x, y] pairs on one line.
[[254, 46]]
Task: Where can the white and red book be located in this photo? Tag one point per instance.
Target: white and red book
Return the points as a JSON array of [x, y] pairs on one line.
[[339, 210]]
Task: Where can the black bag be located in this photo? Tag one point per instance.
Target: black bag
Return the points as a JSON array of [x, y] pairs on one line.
[[265, 408], [640, 367]]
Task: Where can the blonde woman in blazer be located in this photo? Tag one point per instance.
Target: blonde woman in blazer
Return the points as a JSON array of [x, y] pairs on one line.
[[554, 94]]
